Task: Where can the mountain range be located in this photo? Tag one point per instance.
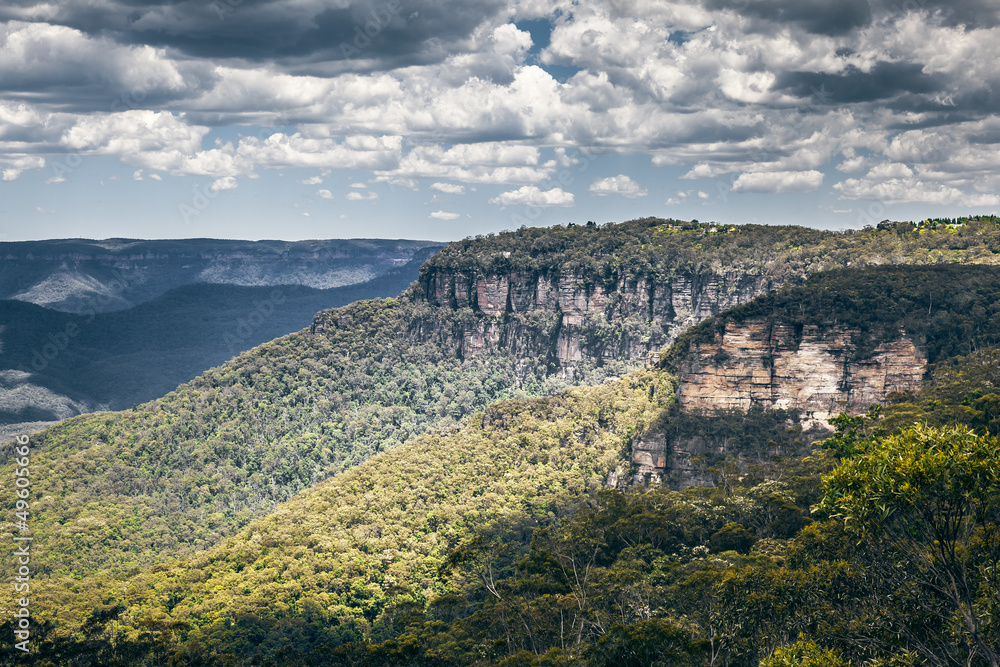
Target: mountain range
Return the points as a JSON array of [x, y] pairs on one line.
[[576, 445], [104, 325]]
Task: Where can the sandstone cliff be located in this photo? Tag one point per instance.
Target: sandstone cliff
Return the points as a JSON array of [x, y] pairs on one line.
[[814, 371], [620, 319]]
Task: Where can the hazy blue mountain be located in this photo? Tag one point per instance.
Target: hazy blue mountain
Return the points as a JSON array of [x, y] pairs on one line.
[[57, 364], [84, 276]]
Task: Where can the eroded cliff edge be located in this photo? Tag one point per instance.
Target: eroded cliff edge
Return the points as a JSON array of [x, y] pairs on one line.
[[629, 319], [791, 360]]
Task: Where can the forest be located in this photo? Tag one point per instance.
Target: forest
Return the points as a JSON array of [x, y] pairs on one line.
[[364, 495]]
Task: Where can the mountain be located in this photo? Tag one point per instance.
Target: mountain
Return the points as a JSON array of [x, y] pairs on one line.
[[56, 364], [558, 307], [121, 492], [494, 518], [85, 276]]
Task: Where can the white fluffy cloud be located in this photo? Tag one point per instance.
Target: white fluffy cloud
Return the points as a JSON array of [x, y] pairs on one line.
[[618, 185], [531, 195], [443, 215], [449, 188], [354, 195], [324, 194], [12, 166], [774, 97], [778, 181]]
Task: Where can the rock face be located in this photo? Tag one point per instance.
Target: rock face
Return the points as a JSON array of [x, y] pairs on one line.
[[624, 320], [817, 371]]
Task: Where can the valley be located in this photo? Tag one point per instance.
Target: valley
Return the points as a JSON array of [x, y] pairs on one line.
[[403, 473]]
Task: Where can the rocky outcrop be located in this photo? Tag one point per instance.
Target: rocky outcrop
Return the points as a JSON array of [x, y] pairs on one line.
[[815, 370], [624, 319]]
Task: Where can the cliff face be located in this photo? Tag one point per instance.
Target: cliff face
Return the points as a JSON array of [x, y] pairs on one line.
[[624, 320], [815, 370]]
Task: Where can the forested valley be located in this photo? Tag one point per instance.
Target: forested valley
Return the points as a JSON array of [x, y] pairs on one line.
[[366, 495]]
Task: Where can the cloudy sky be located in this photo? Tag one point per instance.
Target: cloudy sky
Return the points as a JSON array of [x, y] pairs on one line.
[[440, 119]]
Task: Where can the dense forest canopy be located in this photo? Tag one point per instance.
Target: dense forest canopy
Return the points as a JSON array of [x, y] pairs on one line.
[[381, 503]]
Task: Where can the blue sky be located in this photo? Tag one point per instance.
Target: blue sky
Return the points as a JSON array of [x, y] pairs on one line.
[[272, 119]]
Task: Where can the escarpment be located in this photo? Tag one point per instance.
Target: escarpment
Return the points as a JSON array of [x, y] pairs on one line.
[[807, 373], [840, 343], [816, 370], [621, 318]]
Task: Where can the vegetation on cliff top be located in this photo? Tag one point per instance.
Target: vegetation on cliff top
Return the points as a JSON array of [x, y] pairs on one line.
[[659, 249], [122, 491], [947, 310]]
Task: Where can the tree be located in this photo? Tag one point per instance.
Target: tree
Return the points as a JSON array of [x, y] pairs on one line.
[[804, 653], [927, 501]]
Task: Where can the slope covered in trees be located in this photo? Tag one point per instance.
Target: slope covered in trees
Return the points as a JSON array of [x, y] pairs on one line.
[[119, 492], [423, 554], [426, 556]]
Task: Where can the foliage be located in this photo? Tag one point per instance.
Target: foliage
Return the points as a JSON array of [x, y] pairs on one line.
[[350, 566], [804, 653], [930, 499], [345, 560], [949, 310]]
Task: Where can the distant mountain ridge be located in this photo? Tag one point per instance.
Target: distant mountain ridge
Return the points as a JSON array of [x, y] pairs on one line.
[[58, 363], [82, 275]]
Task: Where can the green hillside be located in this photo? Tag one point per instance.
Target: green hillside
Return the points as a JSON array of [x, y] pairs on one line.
[[119, 492], [460, 546]]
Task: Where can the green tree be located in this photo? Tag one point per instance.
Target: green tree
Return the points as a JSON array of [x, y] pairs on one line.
[[804, 653], [927, 501]]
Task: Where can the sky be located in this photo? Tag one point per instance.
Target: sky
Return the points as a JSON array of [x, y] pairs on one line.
[[442, 119]]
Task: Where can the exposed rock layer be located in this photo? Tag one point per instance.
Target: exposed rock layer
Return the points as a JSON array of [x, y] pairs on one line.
[[625, 320], [815, 370]]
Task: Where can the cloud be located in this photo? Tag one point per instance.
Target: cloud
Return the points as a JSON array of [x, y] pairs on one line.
[[449, 188], [361, 196], [774, 91], [618, 185], [224, 183], [896, 183], [325, 194], [531, 195], [11, 167], [303, 33], [778, 181], [443, 215]]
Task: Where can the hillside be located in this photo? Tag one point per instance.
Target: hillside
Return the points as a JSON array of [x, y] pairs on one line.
[[86, 276], [55, 365], [123, 491], [460, 547]]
